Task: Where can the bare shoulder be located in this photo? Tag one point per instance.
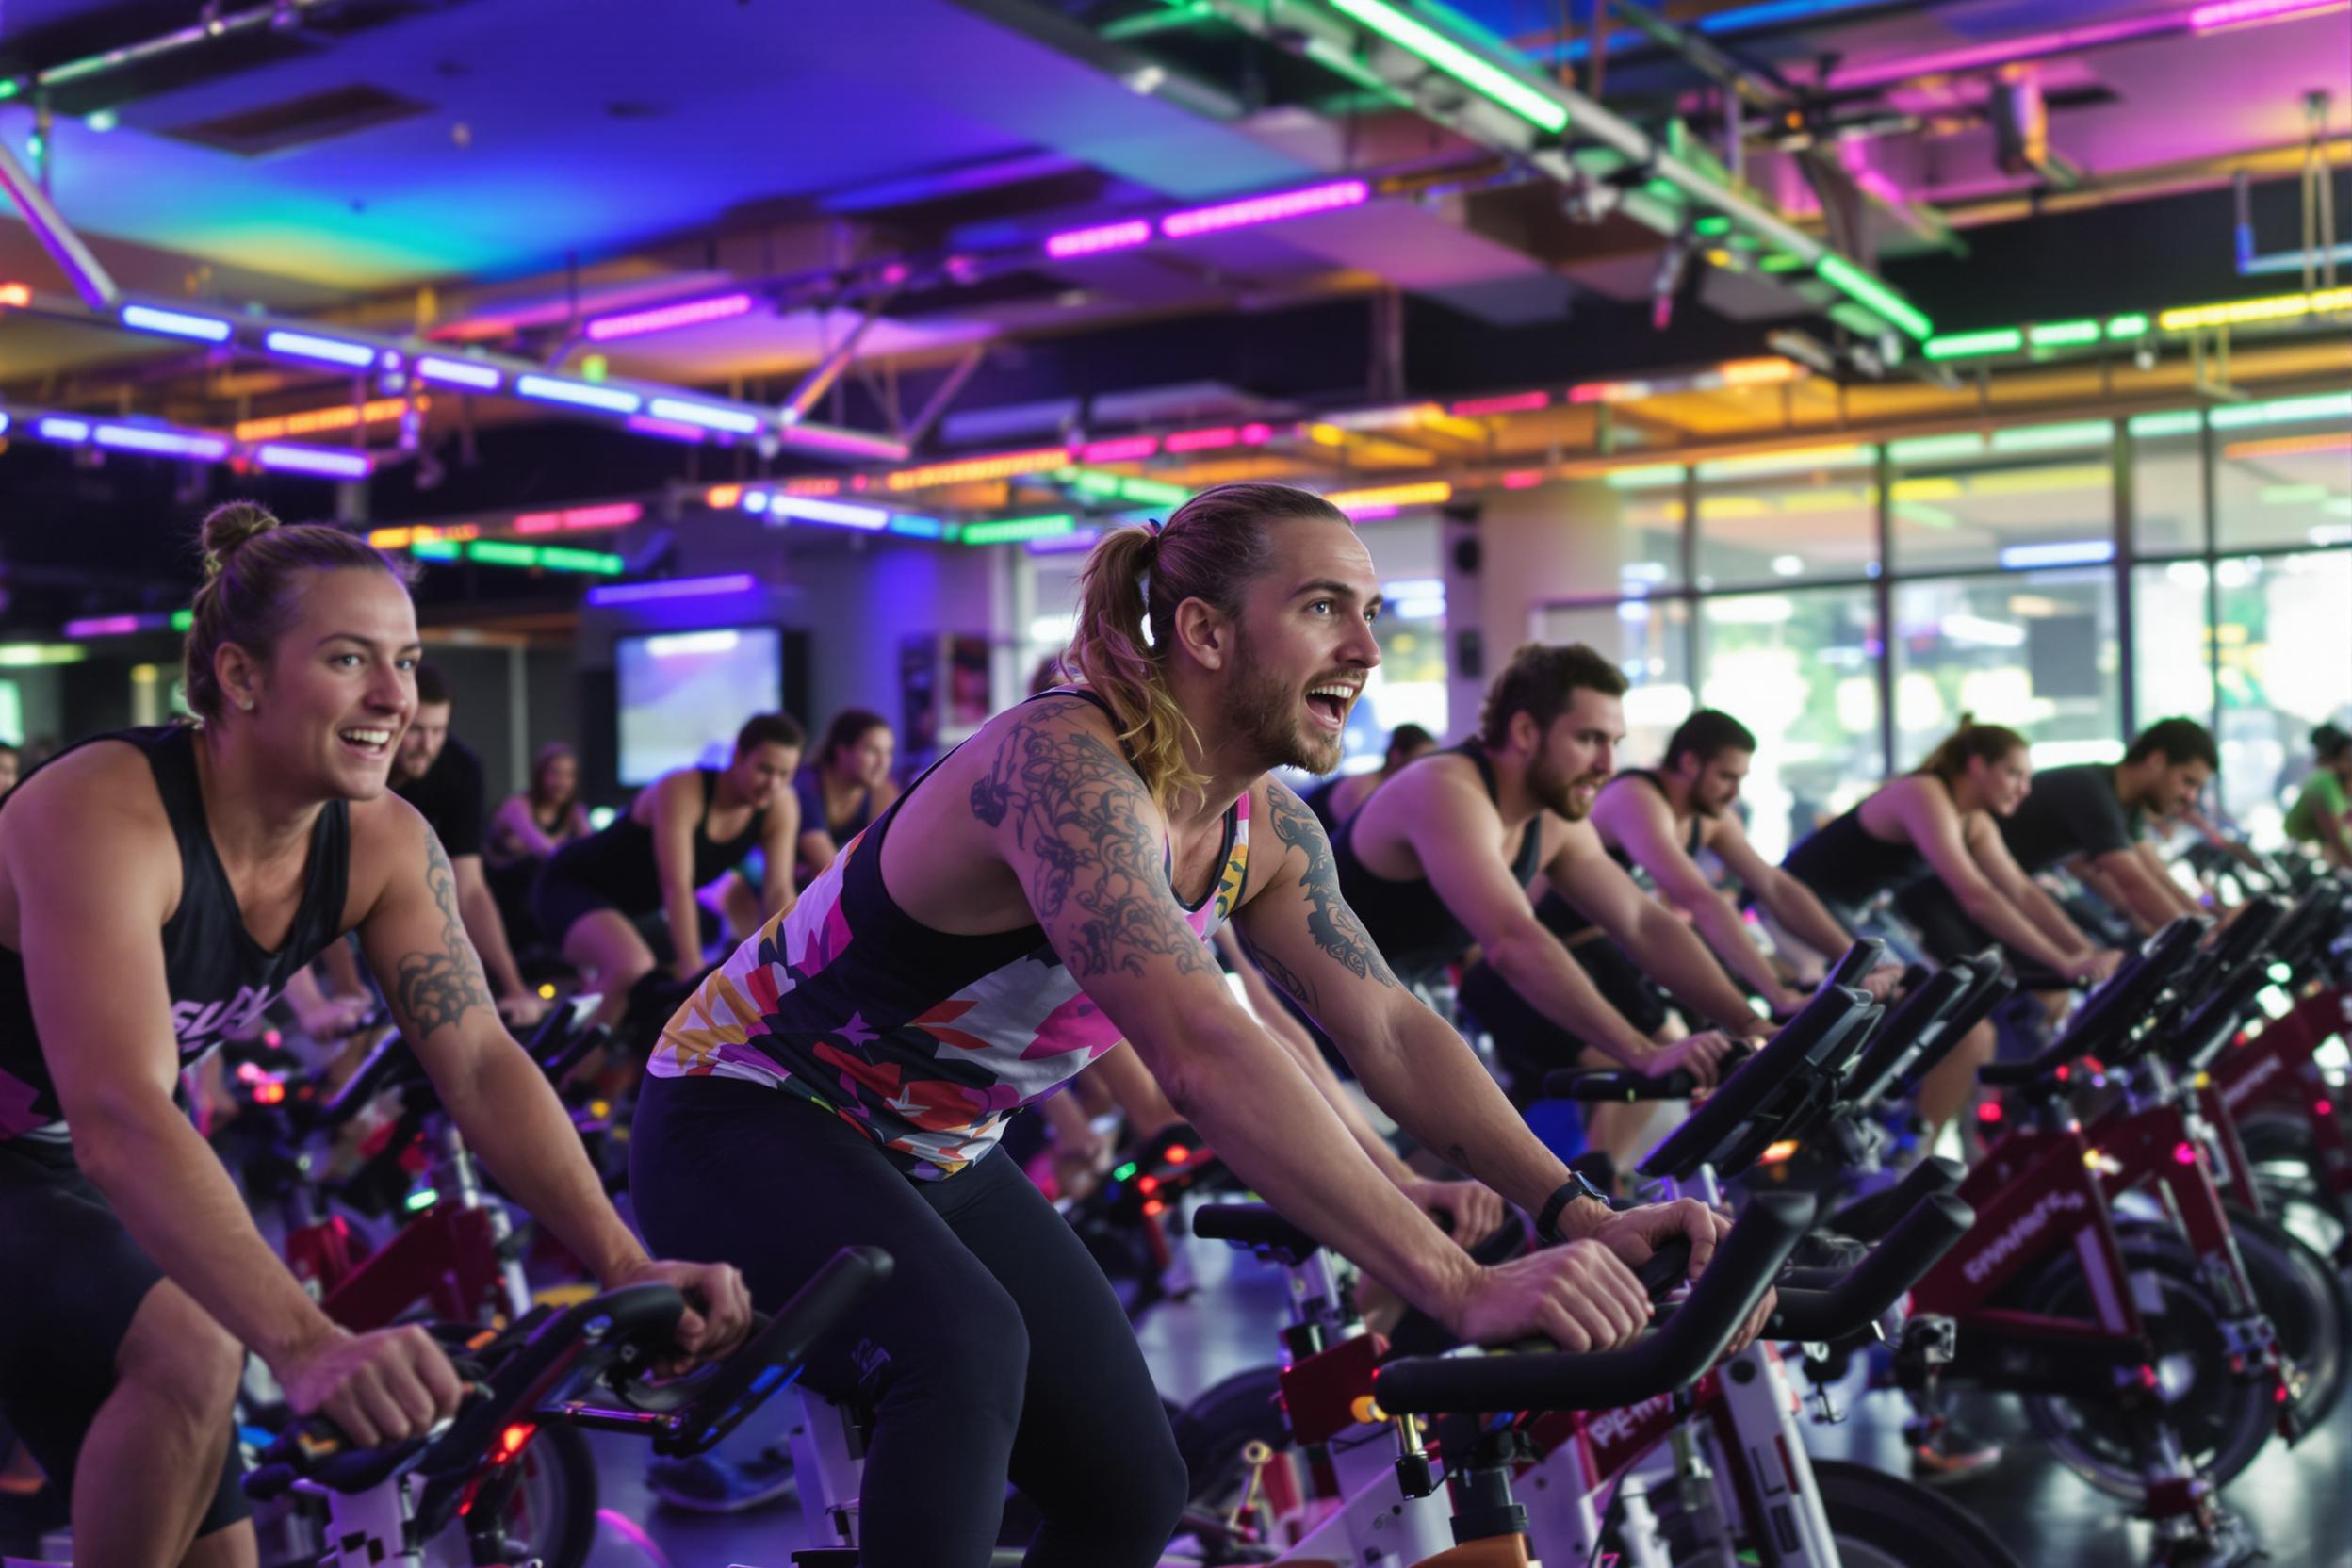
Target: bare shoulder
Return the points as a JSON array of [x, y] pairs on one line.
[[1448, 784], [390, 843], [99, 799]]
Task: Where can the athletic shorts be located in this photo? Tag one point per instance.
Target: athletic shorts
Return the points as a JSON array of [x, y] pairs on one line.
[[74, 1281]]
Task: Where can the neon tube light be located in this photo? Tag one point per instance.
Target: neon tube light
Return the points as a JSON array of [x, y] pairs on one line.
[[579, 394], [335, 416], [301, 345], [2278, 307], [1471, 69], [966, 470], [1008, 531], [163, 442], [1866, 290], [459, 372], [1514, 403], [615, 515], [690, 313], [1264, 209], [1101, 238], [735, 420], [1133, 449], [839, 512], [177, 323], [113, 625], [1428, 494], [2238, 13], [674, 588], [2071, 553], [70, 431], [311, 460], [1967, 345]]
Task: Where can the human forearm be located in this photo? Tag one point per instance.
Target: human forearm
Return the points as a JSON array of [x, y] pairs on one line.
[[177, 1201], [2002, 920], [1425, 1077], [519, 1129], [1666, 951], [1266, 1122], [486, 929], [1719, 922], [1302, 1050], [684, 914], [2042, 909], [1806, 917], [1550, 981]]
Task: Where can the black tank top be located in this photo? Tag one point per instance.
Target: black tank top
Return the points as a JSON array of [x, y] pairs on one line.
[[221, 980], [1563, 919], [619, 863], [1411, 925], [1846, 864], [1320, 800]]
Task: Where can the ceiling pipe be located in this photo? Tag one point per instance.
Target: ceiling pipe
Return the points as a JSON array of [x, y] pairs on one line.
[[90, 279], [212, 26]]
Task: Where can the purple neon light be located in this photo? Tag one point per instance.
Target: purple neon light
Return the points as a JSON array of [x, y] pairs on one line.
[[459, 372], [2232, 13], [106, 625], [1264, 209], [669, 429], [674, 588], [311, 460], [687, 313], [836, 439], [163, 442], [1102, 236]]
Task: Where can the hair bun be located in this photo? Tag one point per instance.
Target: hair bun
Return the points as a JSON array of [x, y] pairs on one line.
[[228, 526], [1968, 719]]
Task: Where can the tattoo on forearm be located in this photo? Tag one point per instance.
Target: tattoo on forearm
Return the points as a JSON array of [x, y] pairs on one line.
[[1078, 807], [433, 989], [1277, 974], [1334, 926]]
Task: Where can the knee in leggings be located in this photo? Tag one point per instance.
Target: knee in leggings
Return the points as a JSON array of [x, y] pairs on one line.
[[177, 1353], [977, 1357]]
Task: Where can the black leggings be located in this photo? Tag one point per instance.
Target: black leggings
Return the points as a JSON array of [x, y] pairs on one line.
[[996, 1350]]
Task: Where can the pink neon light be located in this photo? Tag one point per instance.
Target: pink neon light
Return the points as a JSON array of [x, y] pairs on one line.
[[636, 323], [539, 522], [1523, 479], [1265, 210], [813, 486], [1515, 403], [618, 514], [1256, 436], [1201, 440], [2229, 13], [102, 626], [834, 439], [669, 429], [1102, 236], [1368, 513], [1127, 449]]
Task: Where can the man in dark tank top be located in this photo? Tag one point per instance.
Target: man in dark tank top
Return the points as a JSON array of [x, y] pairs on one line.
[[1440, 860]]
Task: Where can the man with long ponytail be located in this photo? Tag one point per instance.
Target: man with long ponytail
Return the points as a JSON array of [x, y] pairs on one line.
[[1044, 892]]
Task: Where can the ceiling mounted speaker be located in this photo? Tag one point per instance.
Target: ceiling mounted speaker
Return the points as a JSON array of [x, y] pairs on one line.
[[1468, 556]]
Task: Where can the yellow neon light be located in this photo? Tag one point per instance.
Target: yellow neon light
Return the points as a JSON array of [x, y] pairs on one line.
[[1002, 466], [2276, 307], [1395, 495]]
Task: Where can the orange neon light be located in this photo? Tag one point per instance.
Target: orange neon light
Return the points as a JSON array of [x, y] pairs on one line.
[[2291, 446], [310, 421], [1003, 465], [15, 294]]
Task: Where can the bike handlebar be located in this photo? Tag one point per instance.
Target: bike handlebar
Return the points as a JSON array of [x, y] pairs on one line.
[[1916, 1245], [1670, 1357]]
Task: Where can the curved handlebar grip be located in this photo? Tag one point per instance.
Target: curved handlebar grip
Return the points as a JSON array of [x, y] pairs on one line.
[[1911, 1249], [390, 1057], [1617, 1084], [1860, 959], [1665, 1268], [1870, 1218], [1673, 1356]]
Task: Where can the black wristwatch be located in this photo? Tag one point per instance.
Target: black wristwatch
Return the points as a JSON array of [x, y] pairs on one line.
[[1578, 1186]]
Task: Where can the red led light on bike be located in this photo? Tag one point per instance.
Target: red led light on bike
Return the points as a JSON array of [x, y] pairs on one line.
[[1152, 1207], [512, 1440], [2186, 1154], [1989, 1112], [1178, 1153], [1148, 1184], [269, 1092], [2323, 1107], [1775, 1154]]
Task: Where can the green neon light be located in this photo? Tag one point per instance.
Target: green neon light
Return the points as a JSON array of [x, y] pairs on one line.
[[1926, 517], [1936, 448], [496, 551], [2178, 422], [1780, 261], [1125, 1173], [1643, 479], [1417, 38], [1007, 530], [2127, 326], [2063, 335], [563, 559], [1859, 286], [10, 88], [1967, 345], [434, 549], [2044, 439], [1713, 224], [2335, 405], [183, 619]]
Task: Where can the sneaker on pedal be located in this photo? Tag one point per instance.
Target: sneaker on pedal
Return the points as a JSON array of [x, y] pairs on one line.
[[709, 1484], [1945, 1454]]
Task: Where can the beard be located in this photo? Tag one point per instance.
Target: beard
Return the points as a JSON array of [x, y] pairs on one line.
[[1264, 714], [1556, 792]]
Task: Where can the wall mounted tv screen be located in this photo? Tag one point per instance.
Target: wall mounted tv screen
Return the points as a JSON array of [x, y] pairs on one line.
[[683, 696]]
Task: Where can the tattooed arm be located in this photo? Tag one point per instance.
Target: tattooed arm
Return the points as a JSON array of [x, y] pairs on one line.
[[415, 939], [1071, 820], [1306, 940]]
